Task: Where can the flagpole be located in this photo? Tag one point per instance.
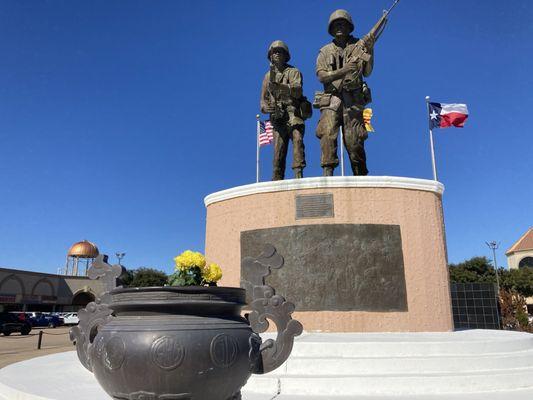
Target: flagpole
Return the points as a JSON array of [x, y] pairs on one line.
[[258, 129], [342, 150], [433, 163]]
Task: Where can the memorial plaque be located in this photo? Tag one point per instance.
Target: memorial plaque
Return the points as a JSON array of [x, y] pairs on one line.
[[314, 205], [335, 267]]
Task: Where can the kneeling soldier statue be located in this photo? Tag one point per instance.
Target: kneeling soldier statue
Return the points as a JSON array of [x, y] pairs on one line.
[[282, 98]]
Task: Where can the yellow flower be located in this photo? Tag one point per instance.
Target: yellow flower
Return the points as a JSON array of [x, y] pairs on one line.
[[212, 273], [189, 259], [198, 259], [367, 117]]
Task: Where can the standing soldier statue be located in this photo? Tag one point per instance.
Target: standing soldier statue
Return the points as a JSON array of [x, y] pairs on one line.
[[341, 66], [282, 98]]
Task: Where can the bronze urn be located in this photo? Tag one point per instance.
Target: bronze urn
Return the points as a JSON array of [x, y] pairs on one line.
[[184, 343]]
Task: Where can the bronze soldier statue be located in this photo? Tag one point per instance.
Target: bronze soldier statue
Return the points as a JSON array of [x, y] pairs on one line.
[[282, 98], [345, 93]]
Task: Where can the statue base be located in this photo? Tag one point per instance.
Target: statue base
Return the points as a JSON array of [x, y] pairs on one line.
[[467, 365], [362, 254]]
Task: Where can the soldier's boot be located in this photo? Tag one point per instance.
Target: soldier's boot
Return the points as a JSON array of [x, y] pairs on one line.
[[278, 174], [327, 171], [298, 173], [359, 170]]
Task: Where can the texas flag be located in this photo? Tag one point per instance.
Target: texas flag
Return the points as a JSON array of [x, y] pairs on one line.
[[445, 115]]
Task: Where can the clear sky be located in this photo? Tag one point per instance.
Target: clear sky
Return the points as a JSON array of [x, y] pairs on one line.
[[118, 117]]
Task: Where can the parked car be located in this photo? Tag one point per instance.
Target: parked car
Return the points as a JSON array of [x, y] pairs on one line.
[[10, 323], [71, 318], [40, 319], [58, 315], [22, 317]]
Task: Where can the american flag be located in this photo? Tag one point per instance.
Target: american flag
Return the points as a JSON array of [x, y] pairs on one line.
[[266, 133]]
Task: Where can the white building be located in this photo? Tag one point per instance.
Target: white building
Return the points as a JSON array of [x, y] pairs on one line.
[[520, 254]]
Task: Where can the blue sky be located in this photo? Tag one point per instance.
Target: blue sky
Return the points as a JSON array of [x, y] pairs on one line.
[[117, 118]]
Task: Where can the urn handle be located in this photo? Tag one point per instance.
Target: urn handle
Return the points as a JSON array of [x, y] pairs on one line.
[[96, 313], [267, 305]]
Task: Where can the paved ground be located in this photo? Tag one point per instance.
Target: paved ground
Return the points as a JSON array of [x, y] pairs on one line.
[[15, 348]]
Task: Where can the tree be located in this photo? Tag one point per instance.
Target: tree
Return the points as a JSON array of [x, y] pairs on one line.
[[514, 311], [519, 280], [126, 277], [476, 269], [479, 269], [462, 275], [144, 277]]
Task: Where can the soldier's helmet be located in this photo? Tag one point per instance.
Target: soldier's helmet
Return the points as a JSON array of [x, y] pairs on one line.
[[278, 44], [340, 14]]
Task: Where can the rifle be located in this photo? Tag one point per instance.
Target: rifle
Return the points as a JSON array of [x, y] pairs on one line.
[[278, 109], [360, 53]]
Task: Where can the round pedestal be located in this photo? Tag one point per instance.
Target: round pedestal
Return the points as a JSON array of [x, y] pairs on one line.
[[362, 254], [468, 365]]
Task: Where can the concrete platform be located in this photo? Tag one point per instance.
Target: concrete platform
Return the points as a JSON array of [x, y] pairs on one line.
[[376, 235], [473, 365]]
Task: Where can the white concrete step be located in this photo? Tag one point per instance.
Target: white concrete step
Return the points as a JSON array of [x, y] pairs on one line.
[[387, 365], [473, 342], [394, 384], [402, 364], [519, 394], [506, 374]]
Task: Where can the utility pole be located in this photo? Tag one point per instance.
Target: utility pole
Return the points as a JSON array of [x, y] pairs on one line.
[[493, 246]]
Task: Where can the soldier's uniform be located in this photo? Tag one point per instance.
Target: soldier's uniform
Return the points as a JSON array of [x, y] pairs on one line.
[[289, 125], [341, 107]]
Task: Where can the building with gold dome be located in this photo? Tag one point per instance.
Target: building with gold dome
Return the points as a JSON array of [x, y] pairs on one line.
[[80, 254], [68, 290]]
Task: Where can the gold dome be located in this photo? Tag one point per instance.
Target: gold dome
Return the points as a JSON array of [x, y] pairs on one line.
[[83, 249]]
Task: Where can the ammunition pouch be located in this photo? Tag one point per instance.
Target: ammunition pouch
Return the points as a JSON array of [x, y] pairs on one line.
[[306, 109], [279, 113], [351, 85], [321, 100], [367, 94]]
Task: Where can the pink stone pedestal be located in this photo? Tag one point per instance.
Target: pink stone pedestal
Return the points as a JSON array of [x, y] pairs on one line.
[[413, 204]]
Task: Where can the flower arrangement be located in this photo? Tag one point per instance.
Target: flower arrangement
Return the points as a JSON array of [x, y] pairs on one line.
[[192, 270]]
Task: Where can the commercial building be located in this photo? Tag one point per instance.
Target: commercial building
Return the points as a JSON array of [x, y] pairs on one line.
[[22, 290]]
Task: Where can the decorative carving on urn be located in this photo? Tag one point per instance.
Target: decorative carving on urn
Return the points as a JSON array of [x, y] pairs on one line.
[[267, 305]]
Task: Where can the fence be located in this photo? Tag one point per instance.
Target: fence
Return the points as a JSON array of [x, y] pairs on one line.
[[40, 337], [474, 306]]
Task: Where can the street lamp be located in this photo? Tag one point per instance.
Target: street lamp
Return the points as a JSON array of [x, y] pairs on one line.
[[493, 246], [120, 256]]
